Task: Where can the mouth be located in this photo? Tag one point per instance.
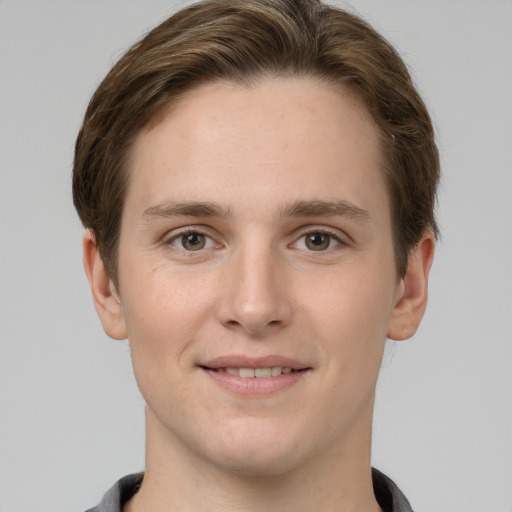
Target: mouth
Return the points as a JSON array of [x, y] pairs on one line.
[[256, 373], [255, 377]]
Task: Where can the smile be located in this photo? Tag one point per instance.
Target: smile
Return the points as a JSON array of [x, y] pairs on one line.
[[249, 373], [255, 377]]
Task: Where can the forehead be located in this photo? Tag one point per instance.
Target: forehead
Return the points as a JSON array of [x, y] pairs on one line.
[[290, 135]]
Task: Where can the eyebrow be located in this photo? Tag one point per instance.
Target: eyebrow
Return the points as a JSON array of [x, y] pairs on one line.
[[314, 208], [324, 208], [186, 209]]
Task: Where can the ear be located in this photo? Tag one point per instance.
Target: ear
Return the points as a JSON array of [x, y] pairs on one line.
[[413, 290], [104, 294]]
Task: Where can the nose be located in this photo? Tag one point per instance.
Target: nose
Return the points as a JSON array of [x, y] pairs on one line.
[[256, 297]]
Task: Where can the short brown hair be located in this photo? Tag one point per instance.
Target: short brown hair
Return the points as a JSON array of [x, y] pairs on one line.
[[243, 40]]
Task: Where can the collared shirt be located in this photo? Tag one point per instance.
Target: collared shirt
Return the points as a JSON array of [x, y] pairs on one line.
[[389, 496]]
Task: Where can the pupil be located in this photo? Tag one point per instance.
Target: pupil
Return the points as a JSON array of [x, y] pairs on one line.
[[193, 241], [318, 241]]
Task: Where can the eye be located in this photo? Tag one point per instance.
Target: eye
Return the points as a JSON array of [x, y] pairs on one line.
[[192, 241], [317, 241]]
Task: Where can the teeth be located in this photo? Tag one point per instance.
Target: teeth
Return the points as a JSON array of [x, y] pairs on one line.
[[263, 372], [248, 373]]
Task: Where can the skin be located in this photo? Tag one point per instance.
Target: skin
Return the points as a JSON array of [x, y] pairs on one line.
[[282, 161]]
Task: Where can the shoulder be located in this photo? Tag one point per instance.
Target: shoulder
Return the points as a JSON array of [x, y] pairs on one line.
[[389, 496], [119, 494]]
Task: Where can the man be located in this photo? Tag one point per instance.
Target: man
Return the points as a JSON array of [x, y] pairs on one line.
[[257, 180]]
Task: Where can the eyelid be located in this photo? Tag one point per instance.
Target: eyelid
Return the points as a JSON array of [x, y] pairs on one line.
[[342, 238], [174, 234]]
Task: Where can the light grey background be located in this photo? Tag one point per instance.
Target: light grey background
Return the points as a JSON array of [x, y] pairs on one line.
[[71, 416]]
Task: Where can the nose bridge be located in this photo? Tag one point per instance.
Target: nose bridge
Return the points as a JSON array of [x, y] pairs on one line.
[[255, 297]]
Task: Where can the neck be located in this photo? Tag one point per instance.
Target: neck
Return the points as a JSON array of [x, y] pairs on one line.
[[339, 479]]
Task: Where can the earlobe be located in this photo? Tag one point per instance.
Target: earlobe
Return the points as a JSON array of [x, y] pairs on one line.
[[105, 296], [413, 290]]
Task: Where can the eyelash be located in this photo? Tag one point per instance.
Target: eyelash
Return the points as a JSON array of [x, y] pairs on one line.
[[333, 237], [188, 232]]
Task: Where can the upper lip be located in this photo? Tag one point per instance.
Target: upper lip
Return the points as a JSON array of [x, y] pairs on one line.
[[243, 361]]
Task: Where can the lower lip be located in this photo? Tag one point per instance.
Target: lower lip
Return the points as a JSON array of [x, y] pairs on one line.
[[255, 386]]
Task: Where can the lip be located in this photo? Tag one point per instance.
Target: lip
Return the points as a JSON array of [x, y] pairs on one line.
[[257, 386], [243, 361]]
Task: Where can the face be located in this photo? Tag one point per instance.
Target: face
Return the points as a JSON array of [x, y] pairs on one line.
[[256, 274]]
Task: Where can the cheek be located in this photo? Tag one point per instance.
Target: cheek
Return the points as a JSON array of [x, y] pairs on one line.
[[352, 312], [356, 298], [163, 317], [163, 313], [159, 295]]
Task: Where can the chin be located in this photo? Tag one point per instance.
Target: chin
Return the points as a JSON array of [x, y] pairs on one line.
[[265, 465], [257, 452]]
